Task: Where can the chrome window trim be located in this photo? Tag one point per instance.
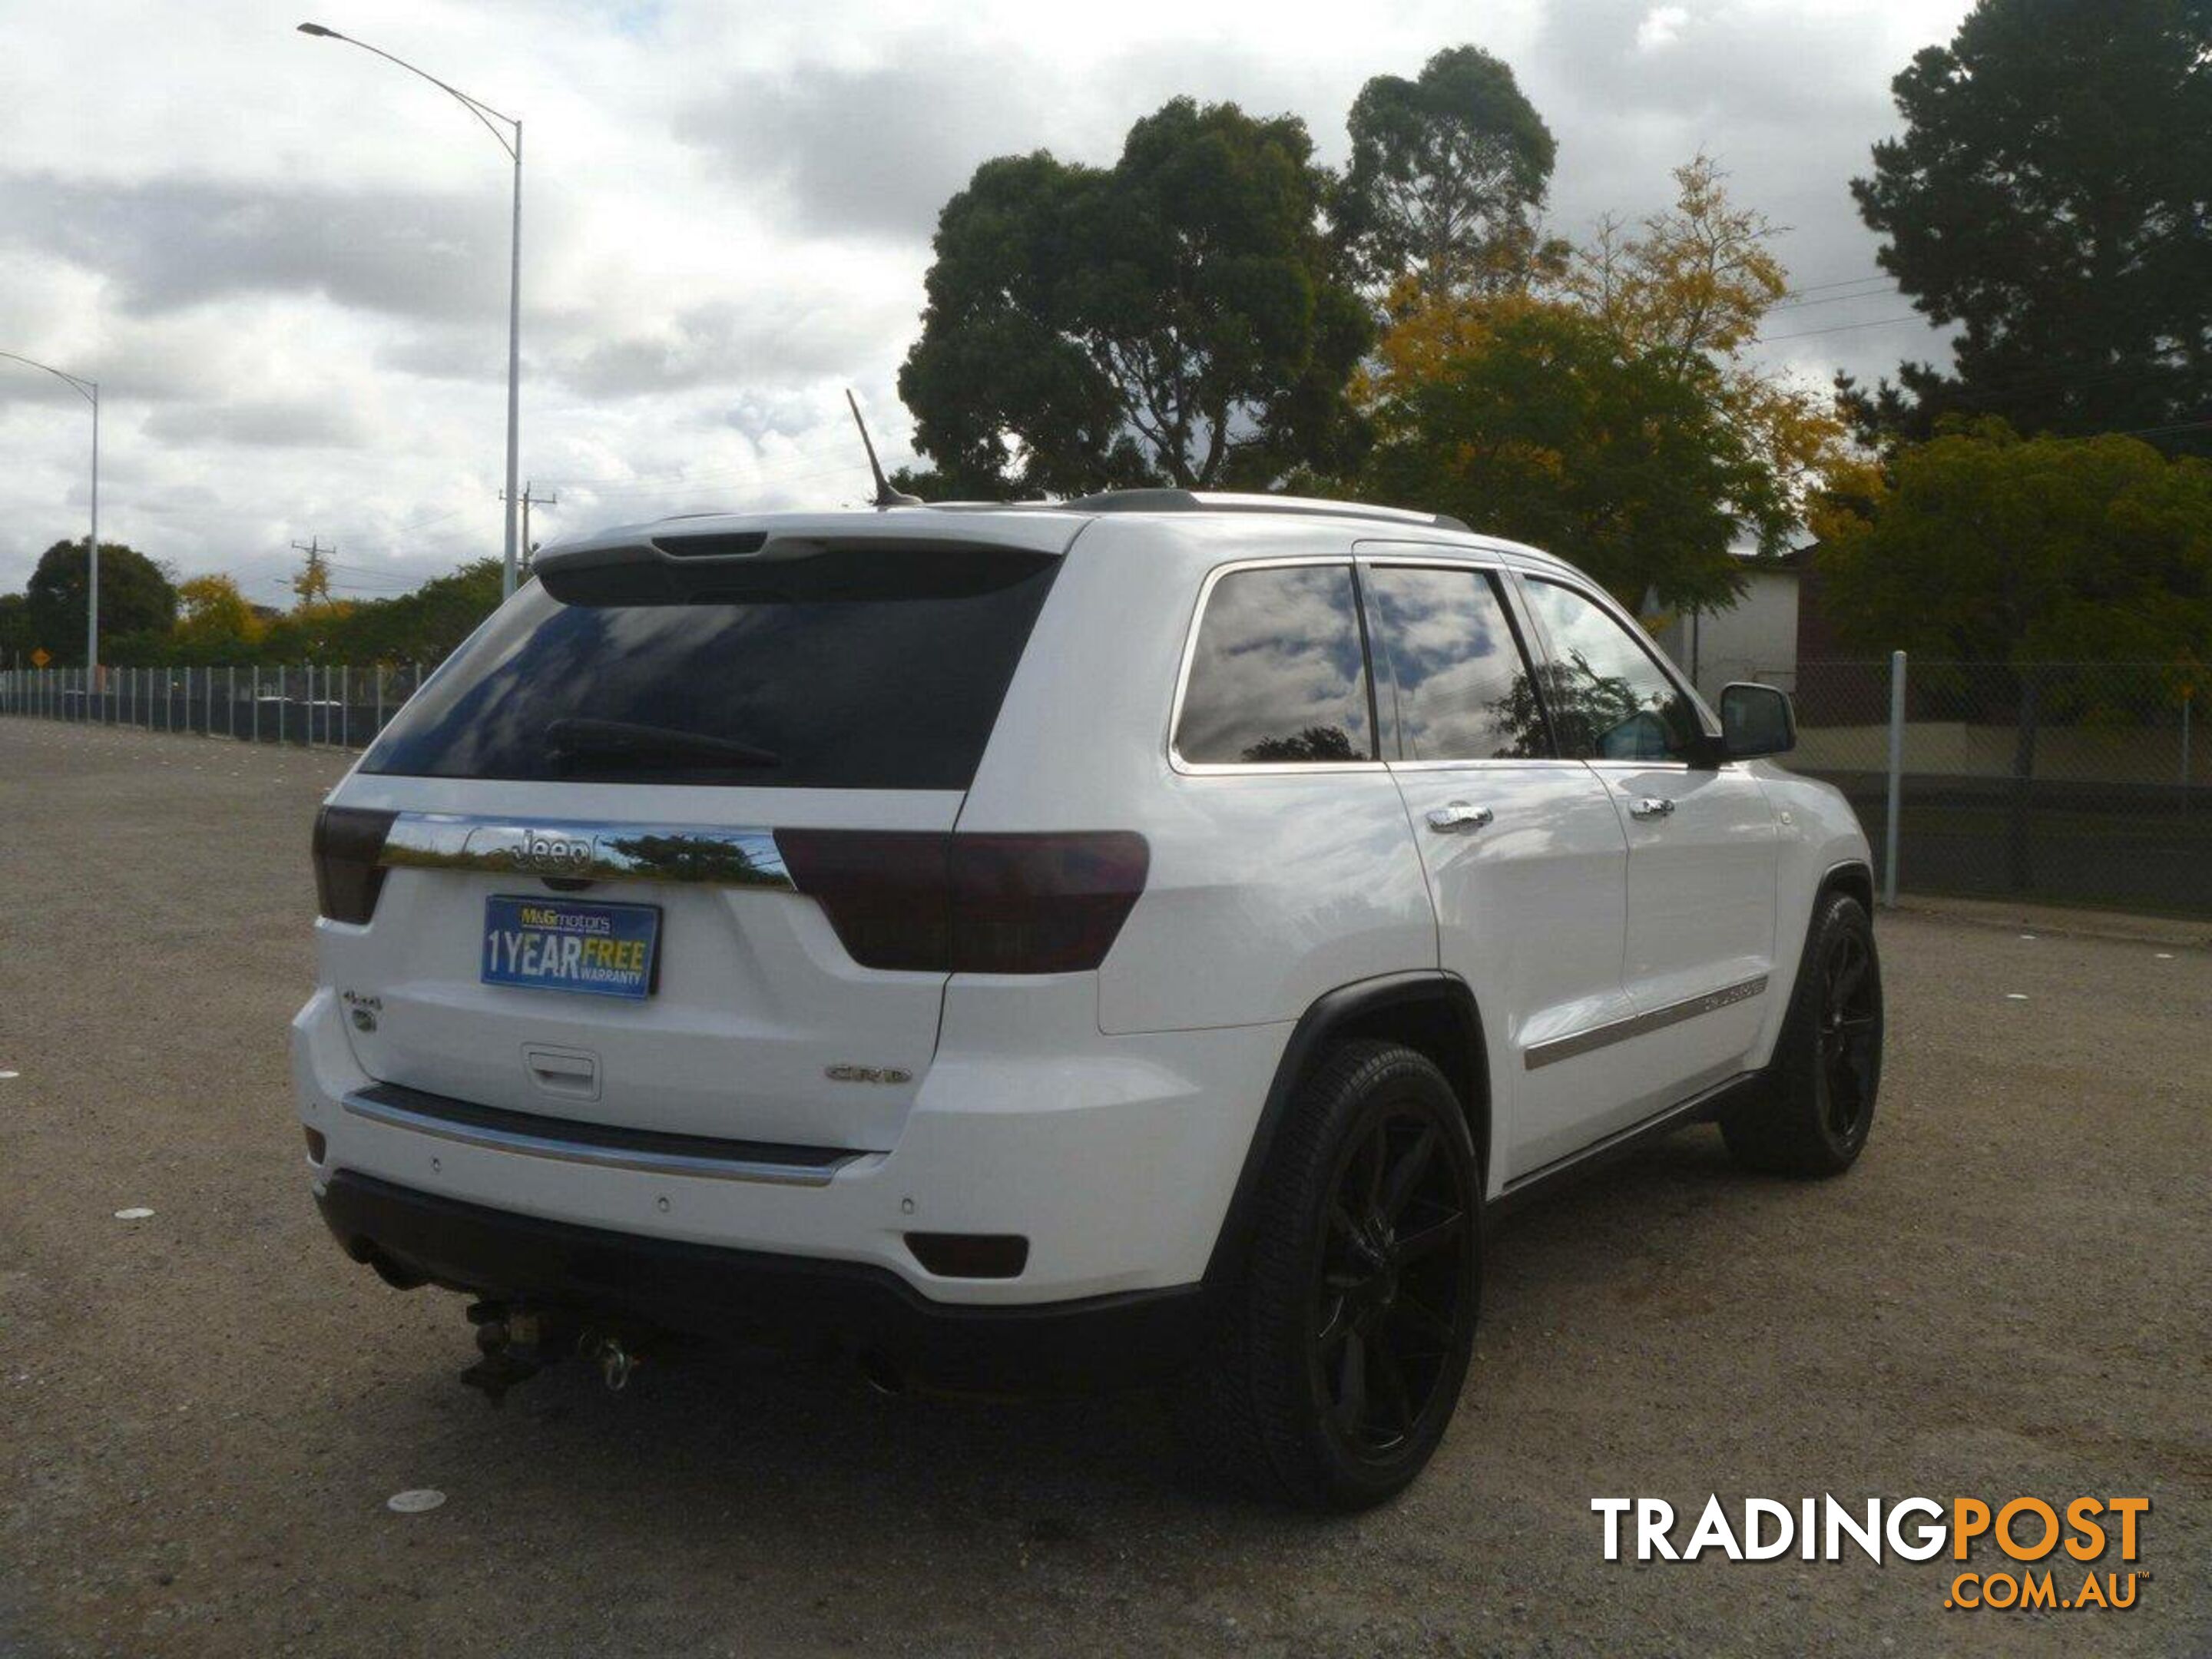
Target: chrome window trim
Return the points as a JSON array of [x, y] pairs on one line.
[[1516, 762], [513, 844], [1635, 1025], [635, 1161], [1266, 768]]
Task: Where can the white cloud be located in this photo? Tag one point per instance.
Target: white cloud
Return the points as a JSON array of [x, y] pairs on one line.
[[1661, 27], [286, 262]]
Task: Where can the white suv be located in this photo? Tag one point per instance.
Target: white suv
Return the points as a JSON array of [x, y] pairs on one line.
[[1135, 940]]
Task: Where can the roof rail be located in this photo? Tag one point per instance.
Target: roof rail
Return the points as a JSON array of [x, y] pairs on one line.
[[1192, 501]]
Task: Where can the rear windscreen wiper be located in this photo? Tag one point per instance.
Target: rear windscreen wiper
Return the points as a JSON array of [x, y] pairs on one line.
[[624, 737]]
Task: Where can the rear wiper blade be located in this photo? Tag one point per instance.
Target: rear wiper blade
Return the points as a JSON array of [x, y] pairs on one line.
[[576, 736]]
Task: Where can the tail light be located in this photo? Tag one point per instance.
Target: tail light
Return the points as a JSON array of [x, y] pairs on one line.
[[349, 843], [971, 903]]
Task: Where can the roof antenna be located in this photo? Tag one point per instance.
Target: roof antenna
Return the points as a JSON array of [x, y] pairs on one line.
[[886, 495]]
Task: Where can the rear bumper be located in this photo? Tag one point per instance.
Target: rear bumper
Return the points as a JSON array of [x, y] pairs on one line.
[[1115, 1158], [1102, 1341]]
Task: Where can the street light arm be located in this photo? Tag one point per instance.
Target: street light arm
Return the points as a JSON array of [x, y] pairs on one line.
[[87, 390], [475, 106], [512, 144]]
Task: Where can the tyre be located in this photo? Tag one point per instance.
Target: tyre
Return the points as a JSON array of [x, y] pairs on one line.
[[1340, 1363], [1813, 1117]]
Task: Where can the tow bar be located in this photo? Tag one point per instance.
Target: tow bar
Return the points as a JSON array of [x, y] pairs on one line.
[[514, 1344]]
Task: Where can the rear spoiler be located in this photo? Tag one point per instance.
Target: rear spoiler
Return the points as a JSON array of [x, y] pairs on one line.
[[804, 556], [774, 537]]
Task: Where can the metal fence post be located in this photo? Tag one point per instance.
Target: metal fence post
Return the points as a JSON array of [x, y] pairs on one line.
[[169, 701], [345, 705], [377, 731], [1896, 775], [256, 695], [2188, 696]]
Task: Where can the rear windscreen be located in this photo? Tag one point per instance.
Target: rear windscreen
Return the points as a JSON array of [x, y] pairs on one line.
[[861, 672]]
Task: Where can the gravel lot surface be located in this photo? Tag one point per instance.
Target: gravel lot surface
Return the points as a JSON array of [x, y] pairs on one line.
[[202, 1412]]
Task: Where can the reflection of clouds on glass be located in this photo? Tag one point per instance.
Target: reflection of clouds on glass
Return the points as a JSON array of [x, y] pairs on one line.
[[1608, 698], [859, 692], [1462, 687], [1278, 673]]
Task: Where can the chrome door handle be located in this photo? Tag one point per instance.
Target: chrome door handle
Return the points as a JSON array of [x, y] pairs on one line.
[[1458, 815], [1651, 806]]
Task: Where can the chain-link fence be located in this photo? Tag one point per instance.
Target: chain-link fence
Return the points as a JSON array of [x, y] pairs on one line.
[[339, 706], [2075, 782]]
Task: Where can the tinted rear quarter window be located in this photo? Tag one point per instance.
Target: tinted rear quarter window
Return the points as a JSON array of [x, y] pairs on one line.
[[869, 672], [1279, 673]]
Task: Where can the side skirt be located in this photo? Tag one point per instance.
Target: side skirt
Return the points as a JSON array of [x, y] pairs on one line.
[[1699, 1108]]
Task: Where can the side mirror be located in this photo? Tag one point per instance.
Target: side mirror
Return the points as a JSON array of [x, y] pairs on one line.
[[1756, 720]]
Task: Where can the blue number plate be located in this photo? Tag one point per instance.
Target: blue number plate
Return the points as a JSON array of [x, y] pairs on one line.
[[558, 945]]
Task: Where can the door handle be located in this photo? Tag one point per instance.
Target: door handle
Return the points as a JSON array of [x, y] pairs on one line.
[[1651, 806], [1458, 815]]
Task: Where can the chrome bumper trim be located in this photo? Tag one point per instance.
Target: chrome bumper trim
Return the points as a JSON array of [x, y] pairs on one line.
[[604, 1152], [1620, 1031]]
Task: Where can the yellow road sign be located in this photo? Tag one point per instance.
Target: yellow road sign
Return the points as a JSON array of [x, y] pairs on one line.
[[39, 659]]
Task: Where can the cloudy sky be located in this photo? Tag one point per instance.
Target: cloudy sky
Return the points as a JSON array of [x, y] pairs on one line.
[[286, 262]]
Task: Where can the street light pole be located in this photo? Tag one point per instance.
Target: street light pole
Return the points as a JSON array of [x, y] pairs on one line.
[[508, 572], [90, 391], [512, 145]]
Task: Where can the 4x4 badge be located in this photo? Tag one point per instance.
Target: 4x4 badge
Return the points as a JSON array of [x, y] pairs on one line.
[[867, 1074]]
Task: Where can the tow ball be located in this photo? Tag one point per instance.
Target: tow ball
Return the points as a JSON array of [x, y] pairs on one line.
[[514, 1344]]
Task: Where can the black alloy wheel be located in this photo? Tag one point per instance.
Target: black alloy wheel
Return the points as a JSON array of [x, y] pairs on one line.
[[1392, 1301], [1850, 1034], [1814, 1108], [1338, 1360]]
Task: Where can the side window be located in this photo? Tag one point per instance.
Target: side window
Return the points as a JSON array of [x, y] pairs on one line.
[[1609, 700], [1464, 689], [1279, 676]]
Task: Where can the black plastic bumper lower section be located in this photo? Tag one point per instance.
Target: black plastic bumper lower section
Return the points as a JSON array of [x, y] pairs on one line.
[[1108, 1341]]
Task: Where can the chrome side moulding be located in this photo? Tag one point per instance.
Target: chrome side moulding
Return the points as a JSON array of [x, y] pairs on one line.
[[1620, 1031], [586, 851]]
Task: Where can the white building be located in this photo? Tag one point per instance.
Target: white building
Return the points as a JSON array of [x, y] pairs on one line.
[[1754, 639]]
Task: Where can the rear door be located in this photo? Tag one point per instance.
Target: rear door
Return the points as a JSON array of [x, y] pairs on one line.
[[1526, 859], [1702, 844], [631, 761]]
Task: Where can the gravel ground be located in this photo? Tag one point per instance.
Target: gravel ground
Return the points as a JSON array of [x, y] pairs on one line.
[[202, 1412]]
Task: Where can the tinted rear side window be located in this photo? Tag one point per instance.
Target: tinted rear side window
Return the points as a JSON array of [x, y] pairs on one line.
[[1279, 675], [868, 672], [1463, 688]]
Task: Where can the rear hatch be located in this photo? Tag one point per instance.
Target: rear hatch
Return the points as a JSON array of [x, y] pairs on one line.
[[659, 847]]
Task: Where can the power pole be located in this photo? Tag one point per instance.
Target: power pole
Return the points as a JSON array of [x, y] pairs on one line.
[[528, 500], [314, 582]]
